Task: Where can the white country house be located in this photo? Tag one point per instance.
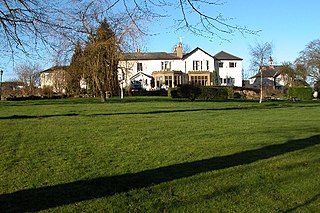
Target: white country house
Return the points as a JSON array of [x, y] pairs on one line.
[[154, 70]]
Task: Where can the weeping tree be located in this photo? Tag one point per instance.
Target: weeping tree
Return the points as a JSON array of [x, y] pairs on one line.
[[101, 56]]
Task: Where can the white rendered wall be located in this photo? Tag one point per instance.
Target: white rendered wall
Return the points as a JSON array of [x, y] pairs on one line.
[[231, 72]]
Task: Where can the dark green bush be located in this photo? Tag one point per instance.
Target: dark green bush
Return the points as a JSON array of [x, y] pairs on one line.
[[190, 91], [300, 93], [214, 93], [173, 93]]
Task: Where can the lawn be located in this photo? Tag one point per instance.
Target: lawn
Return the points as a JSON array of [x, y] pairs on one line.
[[158, 155]]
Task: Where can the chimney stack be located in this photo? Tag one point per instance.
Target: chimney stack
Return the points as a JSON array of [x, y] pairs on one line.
[[179, 50], [270, 62]]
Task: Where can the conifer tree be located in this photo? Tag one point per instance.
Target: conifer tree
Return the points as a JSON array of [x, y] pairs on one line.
[[75, 71]]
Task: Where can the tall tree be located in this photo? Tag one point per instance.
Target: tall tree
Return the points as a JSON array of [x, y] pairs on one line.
[[76, 70], [29, 74], [260, 54], [102, 56], [310, 58]]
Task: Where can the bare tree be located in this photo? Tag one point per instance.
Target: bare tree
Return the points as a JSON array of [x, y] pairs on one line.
[[29, 24], [310, 58], [260, 54], [29, 74]]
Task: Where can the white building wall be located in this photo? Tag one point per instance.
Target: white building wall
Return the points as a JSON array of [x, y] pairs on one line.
[[226, 72], [198, 56], [148, 67]]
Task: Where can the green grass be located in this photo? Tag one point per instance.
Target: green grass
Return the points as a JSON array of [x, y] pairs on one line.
[[144, 154]]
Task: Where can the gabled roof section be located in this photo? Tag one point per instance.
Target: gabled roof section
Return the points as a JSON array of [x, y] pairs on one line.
[[139, 74], [193, 51], [226, 56], [150, 56], [55, 68], [269, 71]]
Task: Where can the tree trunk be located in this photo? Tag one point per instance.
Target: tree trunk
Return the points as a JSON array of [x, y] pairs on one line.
[[102, 96], [261, 87]]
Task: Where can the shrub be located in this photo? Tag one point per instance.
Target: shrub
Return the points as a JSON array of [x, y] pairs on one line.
[[190, 91], [47, 91], [173, 92], [214, 93], [300, 93]]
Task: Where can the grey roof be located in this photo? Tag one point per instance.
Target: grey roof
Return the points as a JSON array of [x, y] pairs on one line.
[[268, 71], [226, 56], [150, 56]]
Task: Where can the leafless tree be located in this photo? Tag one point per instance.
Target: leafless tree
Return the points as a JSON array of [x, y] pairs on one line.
[[29, 74], [310, 58], [260, 54], [28, 24]]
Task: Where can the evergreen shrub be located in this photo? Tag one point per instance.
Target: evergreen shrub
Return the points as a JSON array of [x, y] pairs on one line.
[[300, 93]]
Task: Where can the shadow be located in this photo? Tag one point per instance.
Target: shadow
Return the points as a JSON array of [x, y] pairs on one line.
[[307, 202], [36, 116], [63, 194], [127, 113], [256, 107]]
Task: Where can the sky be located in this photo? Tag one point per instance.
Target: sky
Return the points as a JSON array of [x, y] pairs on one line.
[[288, 24]]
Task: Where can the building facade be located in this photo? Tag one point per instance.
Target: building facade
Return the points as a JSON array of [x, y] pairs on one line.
[[155, 70]]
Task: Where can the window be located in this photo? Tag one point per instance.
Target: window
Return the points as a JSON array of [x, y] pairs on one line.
[[168, 81], [207, 65], [139, 67], [232, 64], [196, 65], [165, 65], [220, 64], [202, 80]]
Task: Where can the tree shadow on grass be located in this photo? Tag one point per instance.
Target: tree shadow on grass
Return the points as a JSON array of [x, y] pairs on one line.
[[138, 113], [306, 203], [64, 194], [256, 107]]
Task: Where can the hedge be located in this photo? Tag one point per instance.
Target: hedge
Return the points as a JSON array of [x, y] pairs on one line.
[[193, 92], [214, 93], [300, 93]]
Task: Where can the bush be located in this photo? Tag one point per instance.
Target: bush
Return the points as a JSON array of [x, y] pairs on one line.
[[214, 93], [190, 91], [173, 93], [300, 93]]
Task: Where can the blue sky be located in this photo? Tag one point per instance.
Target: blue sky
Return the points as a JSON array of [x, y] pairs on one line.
[[288, 24]]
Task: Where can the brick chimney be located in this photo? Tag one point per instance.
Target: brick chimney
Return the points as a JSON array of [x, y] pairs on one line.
[[179, 50]]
